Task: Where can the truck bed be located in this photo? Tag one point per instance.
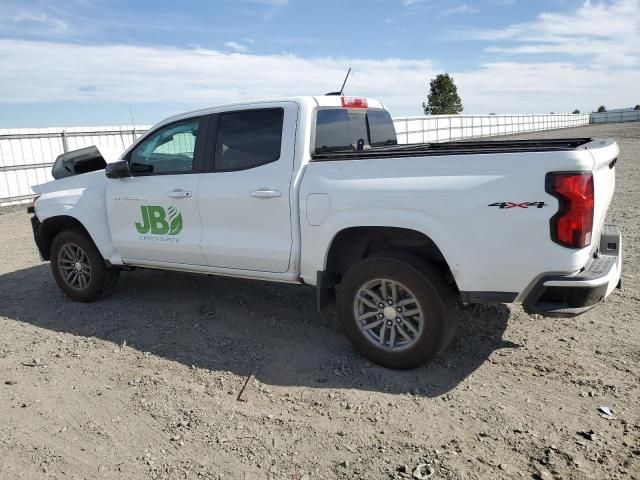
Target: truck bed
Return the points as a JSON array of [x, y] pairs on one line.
[[455, 148]]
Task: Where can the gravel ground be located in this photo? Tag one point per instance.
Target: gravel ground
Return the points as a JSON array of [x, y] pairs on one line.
[[145, 383]]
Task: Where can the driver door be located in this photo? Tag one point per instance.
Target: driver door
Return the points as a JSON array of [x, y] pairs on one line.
[[153, 215]]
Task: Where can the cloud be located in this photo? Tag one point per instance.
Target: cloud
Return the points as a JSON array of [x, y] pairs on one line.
[[40, 72], [270, 10], [275, 3], [235, 46], [42, 19], [464, 8], [607, 33], [543, 87], [194, 77], [35, 21]]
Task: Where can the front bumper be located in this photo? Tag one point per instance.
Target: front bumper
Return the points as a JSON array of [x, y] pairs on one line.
[[571, 295], [37, 237]]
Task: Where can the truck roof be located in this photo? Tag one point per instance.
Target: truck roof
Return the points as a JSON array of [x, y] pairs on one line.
[[318, 100]]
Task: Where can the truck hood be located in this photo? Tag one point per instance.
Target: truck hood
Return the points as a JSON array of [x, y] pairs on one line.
[[80, 168], [85, 180]]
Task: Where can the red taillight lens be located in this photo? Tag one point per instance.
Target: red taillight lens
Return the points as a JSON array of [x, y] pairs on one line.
[[573, 224], [352, 102]]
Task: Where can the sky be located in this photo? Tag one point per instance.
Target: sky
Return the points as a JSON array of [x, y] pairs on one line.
[[104, 62]]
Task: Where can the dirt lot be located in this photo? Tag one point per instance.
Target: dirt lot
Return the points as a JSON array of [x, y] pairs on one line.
[[145, 383]]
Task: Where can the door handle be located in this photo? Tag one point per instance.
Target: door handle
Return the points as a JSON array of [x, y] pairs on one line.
[[266, 193], [179, 194]]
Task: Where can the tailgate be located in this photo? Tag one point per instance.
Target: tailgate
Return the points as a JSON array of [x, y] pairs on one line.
[[605, 154]]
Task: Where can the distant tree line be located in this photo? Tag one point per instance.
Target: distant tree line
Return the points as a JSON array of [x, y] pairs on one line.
[[603, 109], [443, 98]]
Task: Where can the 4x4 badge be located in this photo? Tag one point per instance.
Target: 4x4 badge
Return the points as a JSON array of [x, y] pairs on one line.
[[154, 221], [518, 205]]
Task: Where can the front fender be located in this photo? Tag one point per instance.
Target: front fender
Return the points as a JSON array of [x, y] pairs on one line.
[[87, 212]]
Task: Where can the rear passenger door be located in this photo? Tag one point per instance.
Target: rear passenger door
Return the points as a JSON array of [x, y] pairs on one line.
[[243, 197]]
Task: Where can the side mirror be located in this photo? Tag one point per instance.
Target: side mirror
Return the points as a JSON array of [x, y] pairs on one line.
[[118, 169]]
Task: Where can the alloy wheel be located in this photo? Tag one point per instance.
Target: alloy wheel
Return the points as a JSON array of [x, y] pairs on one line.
[[388, 314], [74, 266]]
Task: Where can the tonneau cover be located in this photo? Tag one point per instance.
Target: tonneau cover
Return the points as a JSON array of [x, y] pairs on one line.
[[456, 148]]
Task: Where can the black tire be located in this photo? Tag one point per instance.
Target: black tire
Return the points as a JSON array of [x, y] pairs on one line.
[[102, 280], [427, 285]]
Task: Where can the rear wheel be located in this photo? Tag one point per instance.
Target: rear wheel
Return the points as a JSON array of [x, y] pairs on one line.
[[79, 269], [397, 310]]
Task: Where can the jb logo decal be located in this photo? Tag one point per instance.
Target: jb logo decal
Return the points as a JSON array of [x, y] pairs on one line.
[[157, 221]]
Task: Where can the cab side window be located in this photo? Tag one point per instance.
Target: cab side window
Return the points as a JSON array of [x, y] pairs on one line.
[[248, 138], [169, 150]]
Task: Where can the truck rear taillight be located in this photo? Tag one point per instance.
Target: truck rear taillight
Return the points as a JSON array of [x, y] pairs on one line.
[[353, 102], [572, 226]]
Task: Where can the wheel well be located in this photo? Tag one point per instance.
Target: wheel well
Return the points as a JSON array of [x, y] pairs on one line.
[[351, 245], [51, 227]]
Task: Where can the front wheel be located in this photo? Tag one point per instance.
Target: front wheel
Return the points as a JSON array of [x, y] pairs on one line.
[[397, 311], [79, 269]]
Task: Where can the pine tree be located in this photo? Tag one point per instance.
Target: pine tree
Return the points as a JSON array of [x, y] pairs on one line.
[[443, 96]]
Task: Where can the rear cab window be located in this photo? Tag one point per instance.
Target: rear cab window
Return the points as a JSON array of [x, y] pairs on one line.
[[340, 129], [248, 138]]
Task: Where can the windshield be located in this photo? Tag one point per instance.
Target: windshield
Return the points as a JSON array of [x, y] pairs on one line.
[[342, 129]]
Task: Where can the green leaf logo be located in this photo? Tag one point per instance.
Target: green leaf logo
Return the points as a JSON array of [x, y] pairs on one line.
[[176, 222], [158, 221]]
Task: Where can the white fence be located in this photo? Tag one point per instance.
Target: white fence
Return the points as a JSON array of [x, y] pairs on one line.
[[26, 155], [444, 128], [616, 116]]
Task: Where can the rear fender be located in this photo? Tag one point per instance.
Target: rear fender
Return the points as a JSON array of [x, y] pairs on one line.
[[315, 250]]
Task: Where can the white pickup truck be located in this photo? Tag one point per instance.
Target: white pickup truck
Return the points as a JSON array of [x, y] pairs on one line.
[[317, 191]]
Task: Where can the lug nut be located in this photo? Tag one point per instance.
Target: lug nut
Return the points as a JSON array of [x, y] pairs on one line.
[[381, 305], [390, 302], [399, 309]]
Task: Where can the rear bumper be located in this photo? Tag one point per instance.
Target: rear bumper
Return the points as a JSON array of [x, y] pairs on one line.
[[571, 295]]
